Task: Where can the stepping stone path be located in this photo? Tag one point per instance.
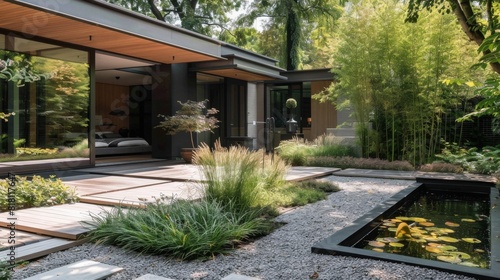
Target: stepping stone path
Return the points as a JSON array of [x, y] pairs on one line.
[[82, 270], [91, 270], [152, 277]]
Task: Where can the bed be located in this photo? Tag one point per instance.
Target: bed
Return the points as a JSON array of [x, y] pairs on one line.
[[109, 143]]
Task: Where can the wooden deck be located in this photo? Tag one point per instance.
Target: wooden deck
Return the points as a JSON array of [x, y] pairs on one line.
[[62, 221], [137, 197]]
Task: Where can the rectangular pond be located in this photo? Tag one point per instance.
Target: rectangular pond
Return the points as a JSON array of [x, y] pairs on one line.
[[457, 222]]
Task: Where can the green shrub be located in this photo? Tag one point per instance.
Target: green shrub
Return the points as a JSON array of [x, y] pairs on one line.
[[325, 186], [300, 193], [36, 192], [297, 150], [182, 229], [294, 195], [294, 151], [441, 167], [486, 161], [361, 163], [5, 271]]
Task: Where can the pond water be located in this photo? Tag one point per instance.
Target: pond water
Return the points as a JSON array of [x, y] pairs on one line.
[[444, 226]]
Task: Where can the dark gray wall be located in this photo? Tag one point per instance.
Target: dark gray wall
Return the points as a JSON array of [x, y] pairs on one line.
[[171, 83]]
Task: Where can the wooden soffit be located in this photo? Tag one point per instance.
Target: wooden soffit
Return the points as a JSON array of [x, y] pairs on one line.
[[240, 68], [103, 26]]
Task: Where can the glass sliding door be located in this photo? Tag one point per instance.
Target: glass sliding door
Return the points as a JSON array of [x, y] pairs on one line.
[[44, 100]]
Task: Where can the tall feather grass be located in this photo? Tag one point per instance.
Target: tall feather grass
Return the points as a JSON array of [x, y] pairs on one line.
[[236, 177]]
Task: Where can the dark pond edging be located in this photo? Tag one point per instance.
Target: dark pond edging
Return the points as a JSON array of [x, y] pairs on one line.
[[341, 242]]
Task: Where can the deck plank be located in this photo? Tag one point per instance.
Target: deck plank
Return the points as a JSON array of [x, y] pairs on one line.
[[139, 196], [93, 183], [42, 248], [51, 221], [82, 270], [21, 238]]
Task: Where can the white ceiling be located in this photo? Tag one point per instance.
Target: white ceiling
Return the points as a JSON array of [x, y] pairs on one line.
[[108, 70]]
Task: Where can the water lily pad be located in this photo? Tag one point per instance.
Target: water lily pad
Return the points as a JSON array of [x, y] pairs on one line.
[[469, 264], [376, 243], [420, 240], [447, 248], [479, 250], [393, 229], [431, 238], [445, 230], [380, 250], [432, 244], [449, 259], [389, 224], [426, 224], [418, 219], [448, 239], [396, 244], [471, 240], [461, 255], [468, 220], [403, 218], [381, 239], [452, 224], [392, 221], [390, 239], [433, 249]]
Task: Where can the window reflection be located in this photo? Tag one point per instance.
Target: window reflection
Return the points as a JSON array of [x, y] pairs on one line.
[[44, 99]]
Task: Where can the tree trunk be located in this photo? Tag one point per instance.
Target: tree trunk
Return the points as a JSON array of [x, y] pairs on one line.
[[465, 15]]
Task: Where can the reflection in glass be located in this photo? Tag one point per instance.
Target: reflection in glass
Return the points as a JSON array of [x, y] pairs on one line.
[[44, 98]]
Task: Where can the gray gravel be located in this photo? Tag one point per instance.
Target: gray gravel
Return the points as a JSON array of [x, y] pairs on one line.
[[284, 254]]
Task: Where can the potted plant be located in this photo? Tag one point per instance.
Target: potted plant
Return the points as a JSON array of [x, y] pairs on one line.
[[193, 117], [291, 103]]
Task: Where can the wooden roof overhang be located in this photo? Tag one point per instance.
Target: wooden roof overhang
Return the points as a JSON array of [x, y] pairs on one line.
[[103, 26]]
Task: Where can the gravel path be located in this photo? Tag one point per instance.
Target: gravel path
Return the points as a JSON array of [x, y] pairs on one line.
[[284, 254]]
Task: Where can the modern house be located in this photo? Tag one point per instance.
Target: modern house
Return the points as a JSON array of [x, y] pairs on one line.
[[89, 69]]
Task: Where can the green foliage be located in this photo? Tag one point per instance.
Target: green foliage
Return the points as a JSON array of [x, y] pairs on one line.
[[183, 230], [325, 186], [288, 21], [486, 161], [390, 75], [81, 149], [20, 70], [35, 192], [291, 103], [193, 117], [236, 177], [300, 193], [296, 151], [361, 163], [5, 271], [293, 195], [205, 17], [35, 151], [490, 103]]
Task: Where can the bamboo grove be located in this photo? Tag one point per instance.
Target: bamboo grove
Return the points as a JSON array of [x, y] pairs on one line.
[[405, 83]]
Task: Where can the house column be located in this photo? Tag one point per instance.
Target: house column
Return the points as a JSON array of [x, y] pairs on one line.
[[170, 83]]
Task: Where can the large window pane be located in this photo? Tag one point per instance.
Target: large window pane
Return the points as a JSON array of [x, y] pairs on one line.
[[44, 100]]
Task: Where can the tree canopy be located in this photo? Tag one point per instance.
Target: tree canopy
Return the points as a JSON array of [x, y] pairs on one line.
[[202, 16], [290, 18], [478, 19]]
